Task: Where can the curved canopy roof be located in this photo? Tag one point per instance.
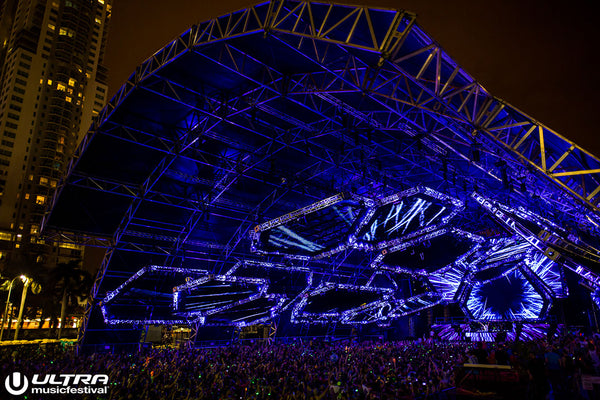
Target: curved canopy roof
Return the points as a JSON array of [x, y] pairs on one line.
[[257, 113]]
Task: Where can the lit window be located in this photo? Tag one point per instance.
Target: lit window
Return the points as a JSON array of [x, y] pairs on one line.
[[71, 246], [72, 82], [66, 32], [41, 81], [30, 177], [53, 184], [34, 229], [68, 99], [40, 200], [43, 180], [60, 86], [101, 1], [26, 196], [98, 20], [50, 82], [51, 26], [21, 226], [17, 245]]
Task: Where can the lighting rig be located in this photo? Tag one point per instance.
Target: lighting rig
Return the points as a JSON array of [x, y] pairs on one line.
[[335, 302], [313, 231], [512, 278], [406, 215], [146, 297], [490, 331]]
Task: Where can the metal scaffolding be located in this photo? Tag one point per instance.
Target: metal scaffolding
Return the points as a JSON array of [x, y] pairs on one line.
[[260, 112]]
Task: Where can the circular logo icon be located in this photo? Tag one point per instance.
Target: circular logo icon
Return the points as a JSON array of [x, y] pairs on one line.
[[16, 383]]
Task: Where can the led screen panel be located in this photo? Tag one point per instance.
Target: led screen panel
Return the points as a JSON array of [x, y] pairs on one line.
[[406, 215], [320, 228], [510, 297]]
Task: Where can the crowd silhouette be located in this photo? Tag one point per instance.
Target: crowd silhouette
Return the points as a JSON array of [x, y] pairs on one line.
[[321, 370]]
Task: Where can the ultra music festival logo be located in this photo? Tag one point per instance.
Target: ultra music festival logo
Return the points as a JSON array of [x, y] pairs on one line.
[[18, 384]]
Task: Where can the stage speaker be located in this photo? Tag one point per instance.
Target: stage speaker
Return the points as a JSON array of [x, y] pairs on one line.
[[154, 334]]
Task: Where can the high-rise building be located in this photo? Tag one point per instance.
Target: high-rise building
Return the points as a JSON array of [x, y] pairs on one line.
[[53, 83]]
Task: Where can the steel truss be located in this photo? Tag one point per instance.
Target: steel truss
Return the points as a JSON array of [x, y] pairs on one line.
[[182, 143], [442, 87], [371, 104]]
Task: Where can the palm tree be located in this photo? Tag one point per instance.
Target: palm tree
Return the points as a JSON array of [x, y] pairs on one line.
[[72, 285], [32, 266]]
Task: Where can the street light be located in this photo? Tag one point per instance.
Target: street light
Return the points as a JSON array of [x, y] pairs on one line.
[[26, 282], [24, 279]]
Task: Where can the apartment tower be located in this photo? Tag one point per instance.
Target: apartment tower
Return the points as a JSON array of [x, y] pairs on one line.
[[52, 84]]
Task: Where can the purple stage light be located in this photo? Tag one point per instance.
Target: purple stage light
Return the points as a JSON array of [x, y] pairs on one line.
[[291, 281], [378, 276], [256, 311], [447, 281], [411, 305], [595, 295], [316, 231], [232, 300], [214, 293], [548, 272], [405, 215], [507, 297], [497, 258], [491, 332], [375, 312], [154, 296], [341, 303], [451, 246], [499, 212]]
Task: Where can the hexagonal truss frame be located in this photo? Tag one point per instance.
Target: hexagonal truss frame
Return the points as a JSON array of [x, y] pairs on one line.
[[298, 316]]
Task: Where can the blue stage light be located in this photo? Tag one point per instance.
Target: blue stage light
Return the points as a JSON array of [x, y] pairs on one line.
[[509, 297], [406, 215]]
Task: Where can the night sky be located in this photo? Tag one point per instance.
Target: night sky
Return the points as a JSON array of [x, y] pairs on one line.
[[540, 56]]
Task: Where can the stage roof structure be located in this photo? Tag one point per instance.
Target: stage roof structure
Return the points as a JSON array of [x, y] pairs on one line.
[[252, 115]]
